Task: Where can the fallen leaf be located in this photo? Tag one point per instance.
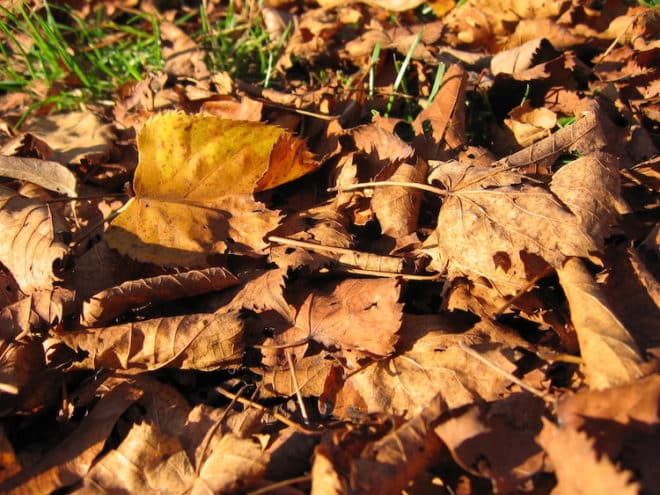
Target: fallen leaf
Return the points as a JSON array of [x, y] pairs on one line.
[[589, 187], [147, 460], [635, 402], [522, 57], [323, 225], [502, 220], [445, 116], [568, 448], [622, 421], [69, 462], [181, 54], [264, 293], [311, 38], [560, 36], [9, 464], [393, 5], [231, 464], [231, 108], [163, 405], [47, 174], [386, 146], [101, 267], [360, 317], [72, 135], [21, 359], [397, 208], [113, 302], [609, 353], [196, 341], [194, 186], [10, 292], [633, 293], [487, 230], [31, 247], [530, 124], [311, 373], [433, 364], [388, 465], [52, 306], [496, 441], [326, 480]]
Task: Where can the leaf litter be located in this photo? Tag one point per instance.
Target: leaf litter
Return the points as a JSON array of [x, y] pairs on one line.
[[420, 256]]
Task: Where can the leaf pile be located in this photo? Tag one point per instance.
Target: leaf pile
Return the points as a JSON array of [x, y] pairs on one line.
[[431, 270]]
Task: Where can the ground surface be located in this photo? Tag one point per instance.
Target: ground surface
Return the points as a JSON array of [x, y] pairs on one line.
[[481, 317]]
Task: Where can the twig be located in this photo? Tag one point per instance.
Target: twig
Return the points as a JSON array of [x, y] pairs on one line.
[[553, 356], [308, 113], [520, 293], [101, 222], [297, 343], [504, 373], [365, 261], [406, 276], [389, 183], [296, 387], [281, 484], [85, 198], [209, 434], [614, 43], [280, 417]]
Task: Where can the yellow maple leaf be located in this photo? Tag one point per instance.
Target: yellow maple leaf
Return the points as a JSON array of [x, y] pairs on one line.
[[194, 184]]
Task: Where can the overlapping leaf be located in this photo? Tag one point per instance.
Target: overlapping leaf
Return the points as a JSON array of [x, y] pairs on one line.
[[197, 341], [493, 220], [112, 302], [31, 246], [194, 184]]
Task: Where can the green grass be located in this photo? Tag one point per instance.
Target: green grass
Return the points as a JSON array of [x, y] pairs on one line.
[[85, 60], [238, 43], [77, 60]]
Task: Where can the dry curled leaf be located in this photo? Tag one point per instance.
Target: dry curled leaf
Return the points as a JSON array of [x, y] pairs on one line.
[[145, 461], [196, 341], [609, 352], [397, 208], [194, 186], [31, 248], [73, 136], [110, 303], [445, 116], [494, 223], [496, 440], [71, 460], [434, 364], [360, 317], [47, 174], [568, 448], [387, 465]]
